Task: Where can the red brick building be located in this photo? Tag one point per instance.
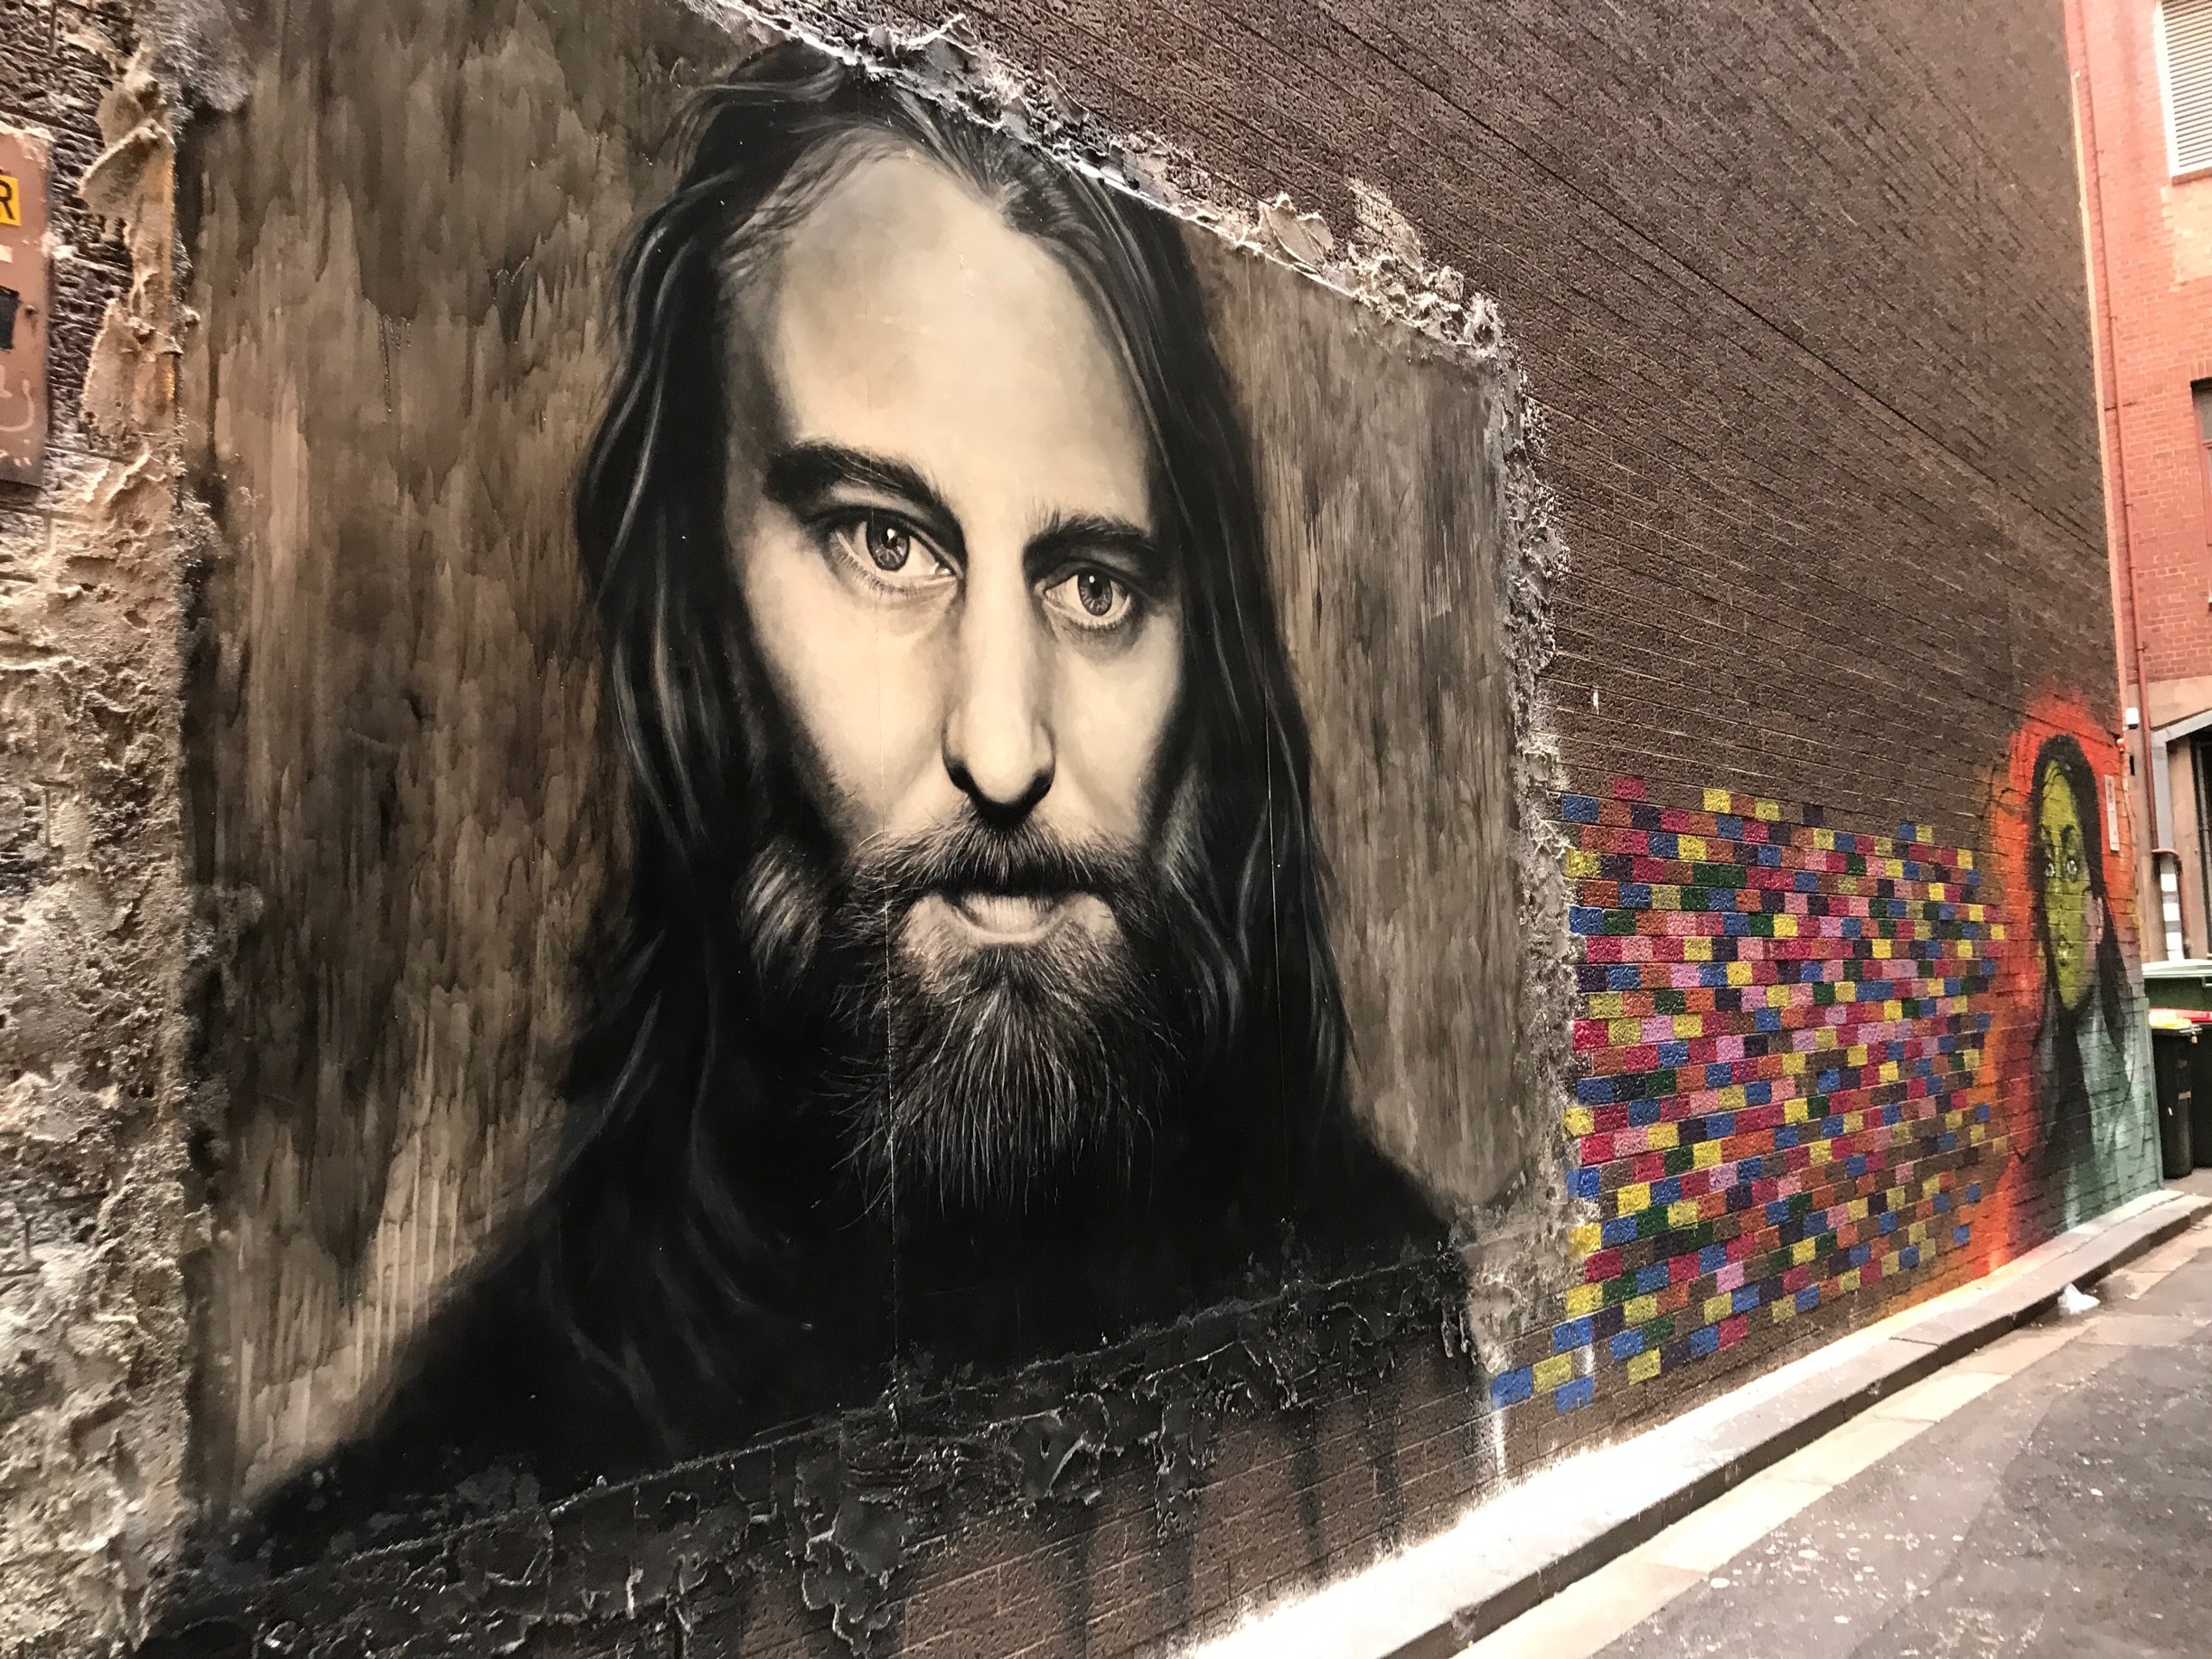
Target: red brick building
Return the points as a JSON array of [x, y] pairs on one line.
[[2143, 112]]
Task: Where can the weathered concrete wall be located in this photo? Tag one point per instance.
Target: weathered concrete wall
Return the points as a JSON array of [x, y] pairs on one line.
[[94, 928]]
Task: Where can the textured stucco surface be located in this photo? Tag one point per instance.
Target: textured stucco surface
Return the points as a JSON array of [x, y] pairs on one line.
[[94, 934]]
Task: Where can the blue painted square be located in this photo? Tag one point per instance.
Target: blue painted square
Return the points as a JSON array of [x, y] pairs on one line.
[[1627, 1345], [1704, 1342], [1594, 1091], [1767, 1020], [1909, 1256], [1624, 976], [1713, 1257], [1651, 1279], [1665, 1192], [1959, 1235], [1759, 1093], [1888, 1224], [1585, 919], [1586, 1183], [1973, 1192], [1635, 896], [1743, 1299], [1620, 1230], [1674, 1054], [1808, 1298], [1579, 809], [1577, 1391], [1512, 1388], [1643, 1114], [1574, 1334]]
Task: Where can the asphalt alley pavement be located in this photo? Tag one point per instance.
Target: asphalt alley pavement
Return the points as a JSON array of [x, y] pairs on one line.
[[2049, 1493]]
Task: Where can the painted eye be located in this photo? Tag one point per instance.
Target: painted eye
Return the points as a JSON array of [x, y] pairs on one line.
[[1091, 598], [884, 551], [889, 545]]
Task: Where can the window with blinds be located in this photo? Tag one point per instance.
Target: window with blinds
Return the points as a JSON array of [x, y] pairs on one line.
[[2184, 74]]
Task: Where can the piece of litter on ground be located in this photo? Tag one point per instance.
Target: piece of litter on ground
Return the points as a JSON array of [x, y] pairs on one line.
[[2074, 1299], [1718, 1583], [1842, 1618]]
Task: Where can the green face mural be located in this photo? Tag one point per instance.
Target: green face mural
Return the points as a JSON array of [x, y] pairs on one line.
[[2073, 917]]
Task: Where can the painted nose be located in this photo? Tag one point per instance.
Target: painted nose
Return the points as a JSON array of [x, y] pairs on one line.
[[997, 739]]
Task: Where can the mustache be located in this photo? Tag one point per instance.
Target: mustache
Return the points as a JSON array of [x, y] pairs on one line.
[[969, 855]]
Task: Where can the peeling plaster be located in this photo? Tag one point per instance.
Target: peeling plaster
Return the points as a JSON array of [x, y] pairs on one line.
[[93, 938]]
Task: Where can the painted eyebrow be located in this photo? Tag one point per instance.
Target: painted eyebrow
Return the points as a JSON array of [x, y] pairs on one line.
[[806, 472], [1069, 536]]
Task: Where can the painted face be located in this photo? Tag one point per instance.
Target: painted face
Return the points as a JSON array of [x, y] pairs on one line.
[[952, 569], [2073, 922]]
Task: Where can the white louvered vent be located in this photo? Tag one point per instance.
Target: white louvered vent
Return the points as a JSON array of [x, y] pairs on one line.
[[2185, 69]]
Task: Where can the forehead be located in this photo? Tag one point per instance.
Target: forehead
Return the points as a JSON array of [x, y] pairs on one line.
[[2059, 807], [904, 316]]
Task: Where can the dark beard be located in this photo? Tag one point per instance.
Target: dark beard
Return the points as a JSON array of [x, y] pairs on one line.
[[997, 1076]]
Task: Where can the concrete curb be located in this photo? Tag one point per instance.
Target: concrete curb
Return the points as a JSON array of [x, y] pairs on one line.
[[1568, 1520]]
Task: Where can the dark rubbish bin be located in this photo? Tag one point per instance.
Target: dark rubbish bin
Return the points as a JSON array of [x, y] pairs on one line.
[[2173, 1045], [2201, 1091]]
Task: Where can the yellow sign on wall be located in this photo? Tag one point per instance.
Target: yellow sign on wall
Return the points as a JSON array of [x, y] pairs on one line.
[[11, 201]]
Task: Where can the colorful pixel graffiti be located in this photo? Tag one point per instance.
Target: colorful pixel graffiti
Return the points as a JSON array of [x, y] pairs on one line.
[[1779, 1102]]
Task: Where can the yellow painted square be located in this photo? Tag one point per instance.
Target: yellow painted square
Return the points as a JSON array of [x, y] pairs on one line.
[[1636, 1310], [1683, 1213], [1767, 811], [1688, 1026], [1698, 949], [1660, 1136], [1585, 1239], [1855, 1056], [1550, 1374], [1801, 1253], [1796, 1112], [1690, 848], [1965, 858], [1888, 1072], [1581, 1120], [1582, 1300], [1856, 1209], [1627, 1029], [1823, 841], [1580, 865], [1634, 1197], [1847, 1282], [1820, 1152], [1785, 927], [1705, 1155], [1739, 973], [1716, 800], [1783, 1310], [1644, 1366], [1716, 1308], [1604, 1005]]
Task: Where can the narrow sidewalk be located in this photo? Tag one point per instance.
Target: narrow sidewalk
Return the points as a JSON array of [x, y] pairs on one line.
[[1567, 1520]]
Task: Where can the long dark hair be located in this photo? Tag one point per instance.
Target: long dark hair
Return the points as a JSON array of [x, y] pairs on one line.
[[2065, 1105], [660, 1242]]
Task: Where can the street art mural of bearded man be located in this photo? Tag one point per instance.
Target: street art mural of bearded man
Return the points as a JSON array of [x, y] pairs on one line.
[[971, 997], [2090, 1058]]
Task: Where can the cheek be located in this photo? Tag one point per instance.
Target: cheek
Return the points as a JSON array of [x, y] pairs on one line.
[[1110, 719], [859, 683]]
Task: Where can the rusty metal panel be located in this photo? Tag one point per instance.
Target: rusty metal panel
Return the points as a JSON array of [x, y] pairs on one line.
[[22, 304]]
